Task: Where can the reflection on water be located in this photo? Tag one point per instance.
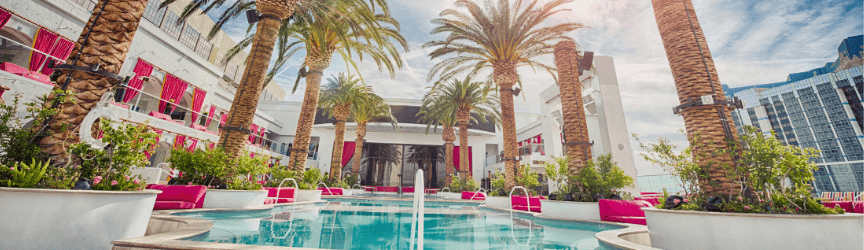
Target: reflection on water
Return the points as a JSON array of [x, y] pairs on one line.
[[368, 226]]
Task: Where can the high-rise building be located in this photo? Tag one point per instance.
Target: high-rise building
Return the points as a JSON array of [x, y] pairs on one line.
[[822, 111]]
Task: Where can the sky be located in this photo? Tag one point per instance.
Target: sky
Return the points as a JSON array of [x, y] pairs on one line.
[[752, 42]]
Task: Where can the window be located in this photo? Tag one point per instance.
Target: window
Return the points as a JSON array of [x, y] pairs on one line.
[[189, 37], [153, 13], [171, 25], [203, 48]]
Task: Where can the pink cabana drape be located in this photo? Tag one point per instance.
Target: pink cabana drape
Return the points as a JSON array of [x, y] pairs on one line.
[[252, 135], [179, 141], [197, 101], [193, 145], [456, 159], [261, 136], [61, 50], [210, 116], [222, 121], [43, 41], [142, 69], [4, 18], [172, 89], [348, 152]]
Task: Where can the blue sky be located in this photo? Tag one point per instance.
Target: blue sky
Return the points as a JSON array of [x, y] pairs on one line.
[[752, 42]]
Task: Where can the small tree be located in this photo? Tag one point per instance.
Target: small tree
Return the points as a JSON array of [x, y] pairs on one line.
[[600, 178], [557, 172]]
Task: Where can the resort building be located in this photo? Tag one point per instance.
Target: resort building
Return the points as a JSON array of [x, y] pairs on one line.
[[189, 86], [819, 108]]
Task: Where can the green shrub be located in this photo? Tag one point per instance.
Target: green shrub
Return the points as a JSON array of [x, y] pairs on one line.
[[200, 167], [24, 175], [109, 167], [600, 176]]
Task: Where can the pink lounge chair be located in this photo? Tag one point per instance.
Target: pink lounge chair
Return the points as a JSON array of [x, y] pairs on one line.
[[623, 211], [858, 207], [331, 191], [279, 195], [387, 189], [654, 200], [521, 203], [468, 195], [178, 196]]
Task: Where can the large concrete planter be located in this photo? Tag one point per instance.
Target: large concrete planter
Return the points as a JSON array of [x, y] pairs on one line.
[[308, 195], [72, 219], [502, 202], [570, 210], [223, 198], [673, 230]]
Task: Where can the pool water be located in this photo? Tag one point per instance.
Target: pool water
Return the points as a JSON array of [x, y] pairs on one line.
[[387, 225]]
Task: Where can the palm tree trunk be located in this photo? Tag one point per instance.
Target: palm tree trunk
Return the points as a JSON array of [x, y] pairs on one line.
[[449, 136], [308, 112], [246, 101], [358, 148], [695, 76], [464, 164], [338, 145], [505, 77], [107, 45], [575, 126]]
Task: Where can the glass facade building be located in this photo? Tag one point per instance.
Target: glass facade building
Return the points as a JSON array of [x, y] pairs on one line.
[[822, 112]]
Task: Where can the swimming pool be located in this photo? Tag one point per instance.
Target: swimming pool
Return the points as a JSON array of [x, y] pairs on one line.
[[372, 224]]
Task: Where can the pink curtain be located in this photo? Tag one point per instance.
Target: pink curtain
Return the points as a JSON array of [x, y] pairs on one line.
[[261, 136], [43, 41], [194, 144], [142, 69], [4, 18], [252, 135], [197, 102], [179, 141], [172, 89], [210, 116], [456, 159], [348, 152], [222, 121], [61, 50]]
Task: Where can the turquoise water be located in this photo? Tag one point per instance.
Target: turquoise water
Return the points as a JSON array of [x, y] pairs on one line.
[[349, 224]]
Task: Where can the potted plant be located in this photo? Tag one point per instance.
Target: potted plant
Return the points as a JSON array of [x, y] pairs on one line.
[[769, 202], [38, 200], [308, 190], [349, 183], [242, 191], [578, 193], [497, 197]]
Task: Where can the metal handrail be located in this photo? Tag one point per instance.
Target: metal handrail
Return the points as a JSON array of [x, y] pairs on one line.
[[527, 197], [296, 189], [417, 215], [325, 187], [530, 231], [478, 191]]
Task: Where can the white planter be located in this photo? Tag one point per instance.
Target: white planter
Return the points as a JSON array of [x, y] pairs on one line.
[[308, 195], [571, 210], [72, 219], [223, 198], [354, 192], [451, 195], [673, 230], [502, 202]]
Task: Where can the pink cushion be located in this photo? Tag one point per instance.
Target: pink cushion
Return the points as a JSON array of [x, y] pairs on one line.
[[333, 191], [387, 189], [858, 207], [284, 192], [281, 200], [192, 194], [369, 188], [163, 205], [406, 190], [431, 191], [519, 200], [622, 208], [654, 200], [626, 219], [525, 208], [467, 195], [846, 205]]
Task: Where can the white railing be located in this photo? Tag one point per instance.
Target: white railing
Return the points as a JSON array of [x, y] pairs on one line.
[[530, 223], [478, 191], [296, 189], [325, 187], [527, 197], [417, 213]]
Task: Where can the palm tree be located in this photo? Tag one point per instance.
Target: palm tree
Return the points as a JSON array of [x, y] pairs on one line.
[[695, 76], [274, 16], [434, 112], [373, 108], [112, 25], [340, 95], [570, 88], [502, 37], [321, 36], [463, 97]]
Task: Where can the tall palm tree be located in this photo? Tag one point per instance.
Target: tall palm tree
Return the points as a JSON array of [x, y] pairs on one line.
[[373, 108], [374, 36], [695, 76], [105, 41], [434, 112], [466, 97], [339, 96], [570, 88], [502, 37]]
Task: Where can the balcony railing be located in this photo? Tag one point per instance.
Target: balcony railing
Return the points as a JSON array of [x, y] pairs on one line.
[[532, 149], [87, 5]]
